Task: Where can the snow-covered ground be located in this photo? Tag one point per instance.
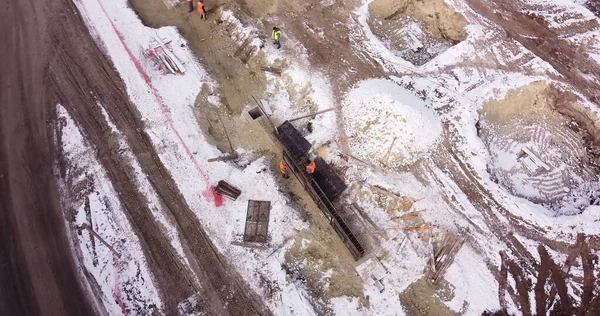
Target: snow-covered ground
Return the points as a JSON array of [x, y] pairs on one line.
[[125, 281], [166, 105], [456, 84]]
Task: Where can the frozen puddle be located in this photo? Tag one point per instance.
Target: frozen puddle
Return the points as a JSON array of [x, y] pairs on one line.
[[380, 115]]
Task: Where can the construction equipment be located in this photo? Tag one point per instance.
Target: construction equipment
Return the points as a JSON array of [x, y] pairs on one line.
[[323, 186]]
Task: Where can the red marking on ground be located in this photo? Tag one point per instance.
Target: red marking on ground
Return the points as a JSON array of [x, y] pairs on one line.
[[117, 288], [163, 107], [212, 195]]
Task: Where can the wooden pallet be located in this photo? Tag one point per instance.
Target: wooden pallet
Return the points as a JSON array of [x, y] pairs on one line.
[[257, 221]]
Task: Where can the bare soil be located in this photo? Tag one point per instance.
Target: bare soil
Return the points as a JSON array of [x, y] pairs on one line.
[[37, 272], [549, 274], [420, 299], [417, 30], [535, 34]]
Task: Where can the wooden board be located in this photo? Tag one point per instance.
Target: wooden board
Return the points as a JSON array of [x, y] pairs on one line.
[[257, 221]]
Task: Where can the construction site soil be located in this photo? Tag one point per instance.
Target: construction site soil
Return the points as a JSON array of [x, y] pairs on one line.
[[50, 58]]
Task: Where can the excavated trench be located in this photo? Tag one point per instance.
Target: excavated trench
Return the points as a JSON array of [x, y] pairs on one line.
[[416, 31], [537, 123]]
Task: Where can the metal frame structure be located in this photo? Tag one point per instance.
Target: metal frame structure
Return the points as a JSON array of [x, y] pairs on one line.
[[316, 193]]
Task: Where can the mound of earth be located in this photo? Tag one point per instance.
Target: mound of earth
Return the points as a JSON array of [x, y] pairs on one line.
[[527, 120], [417, 30], [382, 115]]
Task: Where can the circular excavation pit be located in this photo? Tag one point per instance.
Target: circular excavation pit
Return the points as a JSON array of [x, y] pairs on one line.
[[536, 152], [417, 31], [388, 124]]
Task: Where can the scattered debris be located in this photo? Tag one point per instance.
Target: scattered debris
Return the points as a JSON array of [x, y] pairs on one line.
[[228, 190], [193, 305], [86, 226], [532, 162], [444, 255], [371, 270], [274, 70], [161, 55], [311, 115], [257, 221], [227, 157], [248, 245]]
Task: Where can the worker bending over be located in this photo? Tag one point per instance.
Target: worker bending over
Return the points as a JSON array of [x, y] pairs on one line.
[[285, 170], [310, 168], [276, 34]]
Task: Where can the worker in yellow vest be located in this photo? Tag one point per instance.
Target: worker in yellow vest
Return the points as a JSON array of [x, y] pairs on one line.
[[276, 34]]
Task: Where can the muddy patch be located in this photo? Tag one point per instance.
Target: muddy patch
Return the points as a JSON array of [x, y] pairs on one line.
[[323, 266], [538, 153], [417, 31], [422, 298]]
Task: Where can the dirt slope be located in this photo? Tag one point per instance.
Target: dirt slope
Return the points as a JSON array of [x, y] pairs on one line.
[[37, 272], [536, 35]]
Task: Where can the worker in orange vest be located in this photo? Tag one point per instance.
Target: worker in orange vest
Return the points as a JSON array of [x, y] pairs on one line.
[[285, 170], [201, 9], [191, 5], [310, 168]]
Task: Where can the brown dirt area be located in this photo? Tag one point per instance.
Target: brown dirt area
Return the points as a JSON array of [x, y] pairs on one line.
[[37, 272], [420, 298], [439, 18]]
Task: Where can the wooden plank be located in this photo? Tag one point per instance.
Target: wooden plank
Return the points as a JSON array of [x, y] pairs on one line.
[[224, 158], [535, 159], [310, 115]]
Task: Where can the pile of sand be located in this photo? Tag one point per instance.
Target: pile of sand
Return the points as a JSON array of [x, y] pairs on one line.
[[377, 111]]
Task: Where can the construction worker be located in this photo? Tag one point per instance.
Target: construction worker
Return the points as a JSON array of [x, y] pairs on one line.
[[310, 168], [285, 170], [276, 34], [191, 5], [201, 9]]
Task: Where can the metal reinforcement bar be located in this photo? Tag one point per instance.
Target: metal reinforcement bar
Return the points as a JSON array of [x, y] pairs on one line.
[[316, 193]]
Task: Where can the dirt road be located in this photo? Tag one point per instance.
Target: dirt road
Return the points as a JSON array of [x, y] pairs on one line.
[[37, 272], [534, 33], [49, 61]]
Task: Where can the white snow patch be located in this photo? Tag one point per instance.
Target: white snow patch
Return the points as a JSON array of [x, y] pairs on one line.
[[471, 279], [129, 275], [378, 111]]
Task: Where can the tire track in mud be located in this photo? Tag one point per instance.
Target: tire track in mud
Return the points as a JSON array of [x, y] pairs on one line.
[[38, 273], [499, 220], [79, 74], [535, 35], [89, 77]]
